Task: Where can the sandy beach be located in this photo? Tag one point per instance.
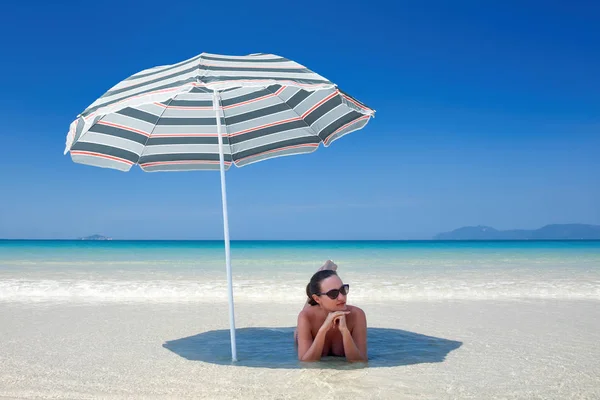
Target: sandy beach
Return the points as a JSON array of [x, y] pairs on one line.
[[456, 349], [441, 157]]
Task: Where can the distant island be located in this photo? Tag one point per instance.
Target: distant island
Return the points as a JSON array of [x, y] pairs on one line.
[[94, 237], [548, 232]]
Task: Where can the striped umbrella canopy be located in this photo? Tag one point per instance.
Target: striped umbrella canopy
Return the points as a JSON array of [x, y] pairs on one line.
[[210, 111], [163, 118]]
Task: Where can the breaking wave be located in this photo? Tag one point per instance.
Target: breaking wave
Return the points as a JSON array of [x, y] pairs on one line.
[[177, 291]]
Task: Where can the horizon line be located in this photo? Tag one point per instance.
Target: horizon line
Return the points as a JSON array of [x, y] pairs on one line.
[[302, 240]]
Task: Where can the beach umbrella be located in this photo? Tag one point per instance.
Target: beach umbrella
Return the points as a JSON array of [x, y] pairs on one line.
[[212, 111]]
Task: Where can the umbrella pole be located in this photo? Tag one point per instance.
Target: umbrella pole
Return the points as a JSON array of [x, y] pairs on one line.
[[216, 107]]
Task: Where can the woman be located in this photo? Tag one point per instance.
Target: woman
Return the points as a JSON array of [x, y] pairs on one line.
[[327, 326]]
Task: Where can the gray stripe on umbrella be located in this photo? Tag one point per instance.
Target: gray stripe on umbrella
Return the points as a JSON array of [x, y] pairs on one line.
[[263, 122], [273, 88], [264, 140], [108, 150], [109, 102], [196, 70], [100, 162], [224, 74], [260, 75], [184, 129], [118, 132], [322, 109], [121, 120], [113, 141], [337, 124], [189, 121], [183, 157], [252, 106], [262, 112], [237, 91], [267, 131], [166, 149], [297, 98], [200, 90], [214, 79], [329, 117], [257, 69], [139, 114], [91, 109], [240, 99], [274, 154], [190, 113], [314, 97], [151, 88], [199, 67], [350, 128], [151, 108], [182, 167], [186, 73], [189, 103], [154, 141], [226, 90], [192, 95], [277, 145], [246, 60], [287, 92]]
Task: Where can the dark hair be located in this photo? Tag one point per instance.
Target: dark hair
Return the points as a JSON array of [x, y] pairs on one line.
[[314, 286]]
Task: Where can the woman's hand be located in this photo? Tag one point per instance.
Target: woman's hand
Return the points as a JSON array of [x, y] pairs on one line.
[[335, 319], [340, 322]]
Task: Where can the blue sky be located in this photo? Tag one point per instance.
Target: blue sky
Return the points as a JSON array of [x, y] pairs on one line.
[[487, 113]]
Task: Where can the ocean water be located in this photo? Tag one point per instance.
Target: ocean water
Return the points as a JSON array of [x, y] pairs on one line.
[[264, 271]]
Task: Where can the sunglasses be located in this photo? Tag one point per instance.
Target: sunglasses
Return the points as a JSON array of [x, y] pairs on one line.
[[334, 293]]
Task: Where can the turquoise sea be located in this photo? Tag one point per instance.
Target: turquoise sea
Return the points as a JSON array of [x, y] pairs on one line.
[[189, 271]]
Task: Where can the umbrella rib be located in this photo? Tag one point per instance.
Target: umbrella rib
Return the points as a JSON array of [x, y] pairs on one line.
[[75, 141], [153, 128], [294, 111], [202, 68], [226, 131]]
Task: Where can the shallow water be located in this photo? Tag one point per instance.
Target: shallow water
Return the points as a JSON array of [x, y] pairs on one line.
[[188, 271]]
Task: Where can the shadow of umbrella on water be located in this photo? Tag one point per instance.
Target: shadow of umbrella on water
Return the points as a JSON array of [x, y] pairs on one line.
[[274, 348]]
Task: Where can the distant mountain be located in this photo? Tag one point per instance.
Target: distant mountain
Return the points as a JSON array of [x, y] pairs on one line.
[[548, 232], [94, 237]]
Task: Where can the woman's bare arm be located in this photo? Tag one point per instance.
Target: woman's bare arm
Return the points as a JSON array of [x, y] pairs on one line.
[[355, 342], [309, 349]]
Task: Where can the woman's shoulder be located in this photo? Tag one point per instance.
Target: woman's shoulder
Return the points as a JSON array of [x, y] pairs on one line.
[[355, 309], [307, 312], [356, 312]]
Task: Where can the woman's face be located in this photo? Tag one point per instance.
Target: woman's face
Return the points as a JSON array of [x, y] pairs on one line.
[[337, 304]]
